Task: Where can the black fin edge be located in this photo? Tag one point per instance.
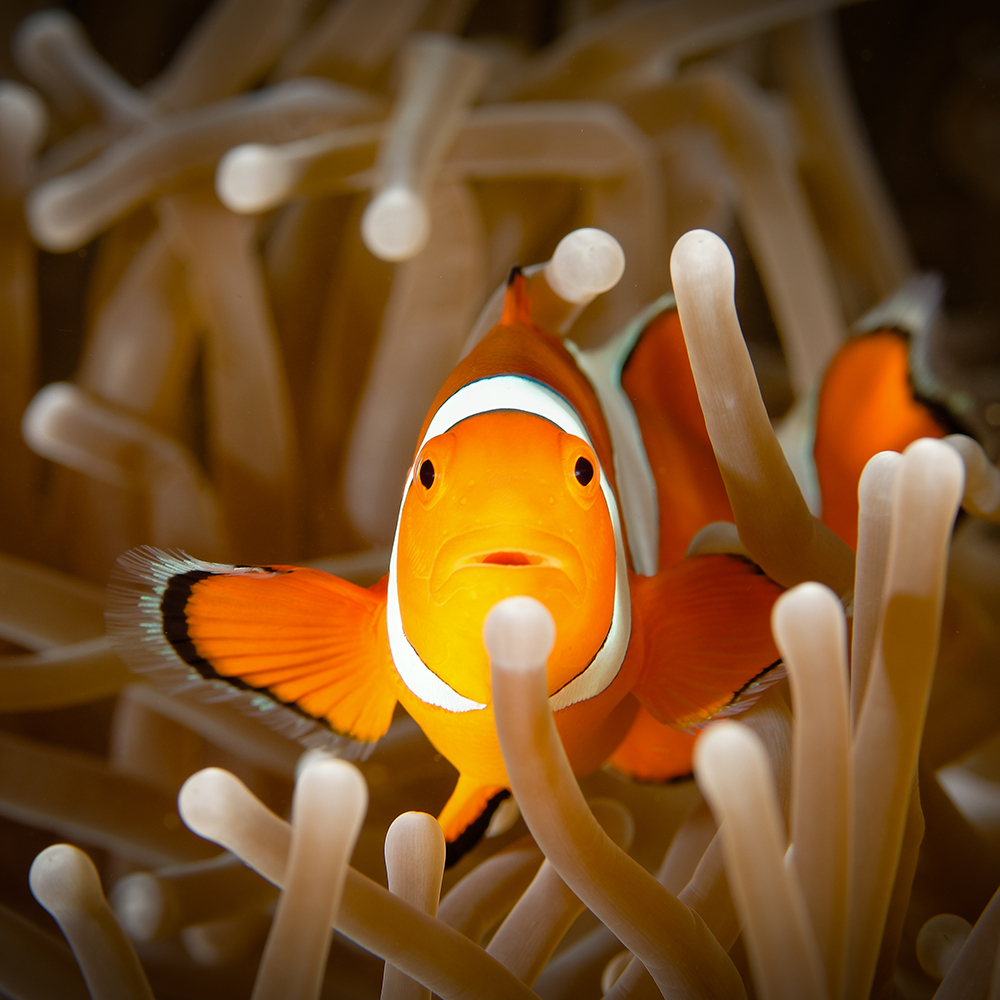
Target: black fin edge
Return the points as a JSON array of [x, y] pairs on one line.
[[473, 833]]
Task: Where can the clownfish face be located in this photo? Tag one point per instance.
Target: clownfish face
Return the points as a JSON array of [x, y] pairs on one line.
[[504, 503]]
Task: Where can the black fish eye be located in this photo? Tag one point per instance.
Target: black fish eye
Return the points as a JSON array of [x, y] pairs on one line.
[[583, 471], [427, 473]]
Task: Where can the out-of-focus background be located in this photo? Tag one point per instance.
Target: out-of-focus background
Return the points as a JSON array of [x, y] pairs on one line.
[[925, 75]]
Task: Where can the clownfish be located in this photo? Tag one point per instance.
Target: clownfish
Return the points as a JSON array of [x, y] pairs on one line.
[[576, 477], [883, 389]]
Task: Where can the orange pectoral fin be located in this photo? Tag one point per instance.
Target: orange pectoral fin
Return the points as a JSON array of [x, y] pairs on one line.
[[708, 641], [652, 751], [467, 814], [304, 651]]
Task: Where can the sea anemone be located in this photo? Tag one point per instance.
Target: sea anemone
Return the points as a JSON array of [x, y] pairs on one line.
[[229, 291]]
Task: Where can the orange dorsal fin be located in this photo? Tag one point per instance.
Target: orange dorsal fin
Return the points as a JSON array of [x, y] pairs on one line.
[[516, 304], [658, 381], [300, 649], [707, 630]]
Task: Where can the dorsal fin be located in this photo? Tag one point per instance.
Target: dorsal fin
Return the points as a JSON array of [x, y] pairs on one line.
[[516, 306]]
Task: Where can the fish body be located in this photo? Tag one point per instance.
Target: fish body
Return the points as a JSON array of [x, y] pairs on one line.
[[576, 478], [889, 384]]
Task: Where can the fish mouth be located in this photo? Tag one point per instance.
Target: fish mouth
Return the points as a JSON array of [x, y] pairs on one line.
[[511, 559], [505, 549]]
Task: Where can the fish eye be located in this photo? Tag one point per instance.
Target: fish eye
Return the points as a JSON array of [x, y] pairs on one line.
[[427, 473], [583, 471]]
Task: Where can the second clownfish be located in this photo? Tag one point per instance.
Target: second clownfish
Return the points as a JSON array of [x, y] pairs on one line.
[[574, 477]]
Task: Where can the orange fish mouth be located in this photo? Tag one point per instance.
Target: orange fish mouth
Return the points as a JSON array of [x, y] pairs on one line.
[[478, 551]]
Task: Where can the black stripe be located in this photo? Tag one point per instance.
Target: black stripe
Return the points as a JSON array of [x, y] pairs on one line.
[[677, 779], [173, 608], [473, 833], [753, 680]]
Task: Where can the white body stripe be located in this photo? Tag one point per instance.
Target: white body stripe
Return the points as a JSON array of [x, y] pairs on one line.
[[513, 392]]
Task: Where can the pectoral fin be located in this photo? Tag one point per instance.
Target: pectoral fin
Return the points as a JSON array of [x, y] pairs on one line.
[[707, 632], [304, 651]]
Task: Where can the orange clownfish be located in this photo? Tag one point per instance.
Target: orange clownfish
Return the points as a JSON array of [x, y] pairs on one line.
[[575, 477], [884, 388]]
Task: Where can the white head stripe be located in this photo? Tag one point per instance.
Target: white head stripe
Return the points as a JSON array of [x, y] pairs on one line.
[[513, 392], [506, 392], [416, 675]]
